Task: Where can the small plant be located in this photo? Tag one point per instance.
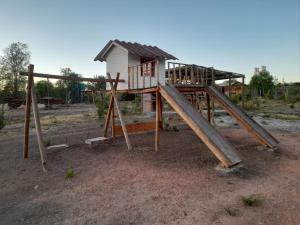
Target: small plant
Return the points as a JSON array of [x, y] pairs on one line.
[[47, 142], [252, 200], [231, 211], [174, 128], [292, 106], [166, 124], [125, 110], [54, 120], [2, 119], [70, 173]]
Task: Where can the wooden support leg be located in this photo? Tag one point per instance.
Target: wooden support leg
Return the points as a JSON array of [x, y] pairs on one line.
[[113, 133], [38, 126], [161, 113], [113, 92], [111, 103], [208, 107], [27, 111], [158, 105]]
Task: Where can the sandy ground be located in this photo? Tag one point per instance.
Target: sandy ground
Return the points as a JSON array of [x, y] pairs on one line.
[[176, 185]]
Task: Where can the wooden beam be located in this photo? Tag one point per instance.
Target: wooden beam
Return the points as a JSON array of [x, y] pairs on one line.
[[51, 76], [113, 92], [113, 121], [136, 127], [38, 127], [158, 109], [27, 111], [208, 107], [110, 108]]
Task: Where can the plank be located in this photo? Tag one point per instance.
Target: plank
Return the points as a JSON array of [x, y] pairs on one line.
[[96, 139], [57, 146], [136, 127]]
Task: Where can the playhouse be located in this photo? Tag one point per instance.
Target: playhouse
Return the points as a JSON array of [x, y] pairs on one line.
[[189, 89]]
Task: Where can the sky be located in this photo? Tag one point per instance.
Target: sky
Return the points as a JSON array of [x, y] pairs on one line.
[[231, 35]]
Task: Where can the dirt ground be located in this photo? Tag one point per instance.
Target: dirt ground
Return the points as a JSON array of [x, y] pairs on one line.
[[176, 185]]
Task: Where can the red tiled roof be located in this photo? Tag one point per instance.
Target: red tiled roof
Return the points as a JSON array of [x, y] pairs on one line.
[[146, 51]]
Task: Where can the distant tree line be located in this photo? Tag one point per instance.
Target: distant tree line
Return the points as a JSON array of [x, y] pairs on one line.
[[16, 58]]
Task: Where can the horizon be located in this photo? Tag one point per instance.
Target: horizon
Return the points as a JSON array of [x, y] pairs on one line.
[[231, 36]]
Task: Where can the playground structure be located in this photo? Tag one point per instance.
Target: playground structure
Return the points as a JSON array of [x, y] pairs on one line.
[[185, 87]]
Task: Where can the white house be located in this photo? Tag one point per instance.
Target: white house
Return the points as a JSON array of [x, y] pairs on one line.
[[141, 66]]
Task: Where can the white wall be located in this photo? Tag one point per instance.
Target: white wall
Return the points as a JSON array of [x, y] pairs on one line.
[[117, 61]]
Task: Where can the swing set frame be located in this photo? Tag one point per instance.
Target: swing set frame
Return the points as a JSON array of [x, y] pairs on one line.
[[31, 100]]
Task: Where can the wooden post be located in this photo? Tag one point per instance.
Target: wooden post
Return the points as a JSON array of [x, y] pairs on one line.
[[113, 134], [208, 107], [108, 115], [158, 111], [38, 126], [27, 111], [113, 92]]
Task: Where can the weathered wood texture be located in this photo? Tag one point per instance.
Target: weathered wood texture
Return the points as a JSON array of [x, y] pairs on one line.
[[136, 127], [27, 111], [158, 115], [223, 150], [60, 77], [113, 92], [261, 134], [38, 126]]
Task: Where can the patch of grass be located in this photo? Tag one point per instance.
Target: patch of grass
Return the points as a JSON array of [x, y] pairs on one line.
[[286, 117], [231, 211], [70, 173], [47, 142], [266, 115], [251, 200]]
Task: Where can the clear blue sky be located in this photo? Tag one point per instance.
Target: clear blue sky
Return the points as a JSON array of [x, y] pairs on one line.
[[233, 35]]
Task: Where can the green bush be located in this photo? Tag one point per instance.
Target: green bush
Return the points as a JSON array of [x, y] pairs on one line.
[[102, 106], [236, 98], [252, 104]]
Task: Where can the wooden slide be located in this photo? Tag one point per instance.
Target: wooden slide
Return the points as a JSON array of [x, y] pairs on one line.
[[222, 149], [261, 134]]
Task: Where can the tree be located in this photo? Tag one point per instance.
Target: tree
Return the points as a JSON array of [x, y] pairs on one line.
[[262, 83], [16, 58], [72, 87], [44, 88]]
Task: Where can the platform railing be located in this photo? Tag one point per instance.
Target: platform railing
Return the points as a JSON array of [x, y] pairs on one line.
[[144, 75], [189, 74]]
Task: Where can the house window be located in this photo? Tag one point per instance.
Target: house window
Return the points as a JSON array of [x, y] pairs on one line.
[[148, 69]]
